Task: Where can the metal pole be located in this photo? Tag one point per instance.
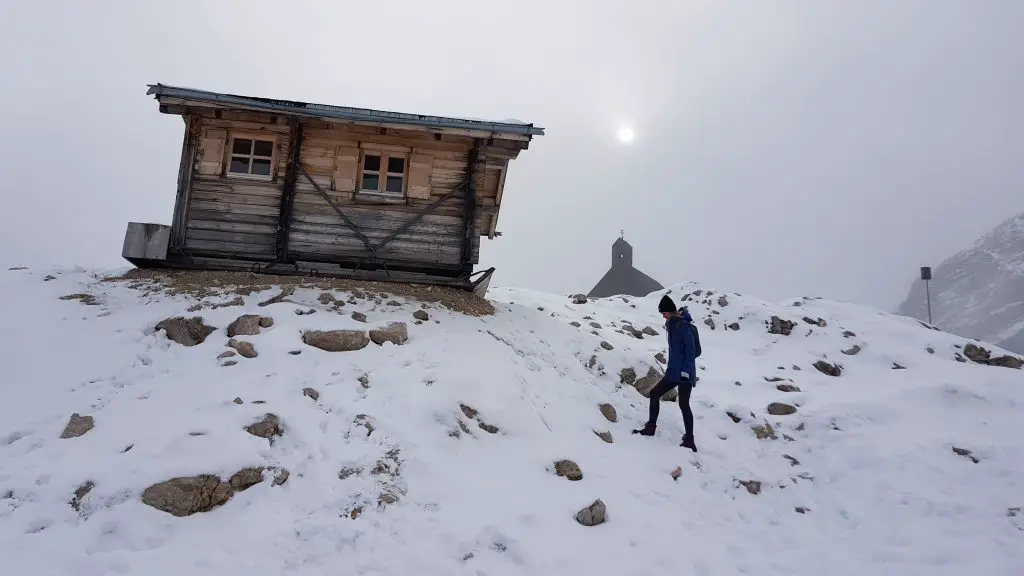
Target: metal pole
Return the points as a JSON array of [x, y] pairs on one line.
[[928, 297]]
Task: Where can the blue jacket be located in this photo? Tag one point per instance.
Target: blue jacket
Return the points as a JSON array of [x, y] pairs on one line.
[[681, 350]]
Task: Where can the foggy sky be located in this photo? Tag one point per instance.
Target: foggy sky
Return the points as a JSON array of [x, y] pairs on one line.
[[782, 148]]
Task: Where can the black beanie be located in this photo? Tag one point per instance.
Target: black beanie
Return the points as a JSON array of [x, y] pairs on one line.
[[666, 305]]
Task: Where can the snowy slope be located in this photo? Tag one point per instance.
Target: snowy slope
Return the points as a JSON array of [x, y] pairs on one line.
[[870, 453], [979, 292]]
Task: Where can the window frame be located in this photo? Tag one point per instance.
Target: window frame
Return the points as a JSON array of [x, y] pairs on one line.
[[382, 173], [230, 149]]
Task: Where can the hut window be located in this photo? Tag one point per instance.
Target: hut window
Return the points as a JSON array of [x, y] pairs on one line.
[[383, 174], [251, 157]]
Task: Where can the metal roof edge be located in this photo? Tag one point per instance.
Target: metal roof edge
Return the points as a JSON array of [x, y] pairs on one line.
[[343, 112]]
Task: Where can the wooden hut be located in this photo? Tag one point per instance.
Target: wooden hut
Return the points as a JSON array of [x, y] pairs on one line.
[[277, 186]]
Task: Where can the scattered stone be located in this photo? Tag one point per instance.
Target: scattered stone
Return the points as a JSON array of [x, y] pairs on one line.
[[647, 383], [248, 477], [77, 425], [792, 461], [246, 325], [568, 469], [347, 472], [15, 268], [595, 325], [627, 376], [738, 383], [268, 427], [677, 473], [49, 277], [660, 357], [723, 301], [828, 369], [930, 350], [266, 321], [184, 496], [982, 356], [285, 292], [780, 409], [579, 299], [295, 352], [575, 324], [306, 312], [421, 315], [853, 350], [187, 332], [752, 486], [606, 345], [226, 354], [311, 393], [359, 317], [237, 400], [848, 334], [489, 428], [780, 326], [734, 326], [87, 299], [820, 322], [246, 349], [229, 363], [801, 510], [795, 367], [365, 421], [774, 379], [649, 331], [364, 381], [592, 362], [959, 358], [606, 436], [469, 411], [326, 298], [898, 366], [735, 418], [394, 303], [710, 323], [80, 493], [396, 332], [966, 454], [787, 388], [592, 515], [608, 411], [336, 340], [764, 431]]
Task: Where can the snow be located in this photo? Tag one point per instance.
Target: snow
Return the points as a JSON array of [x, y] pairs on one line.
[[884, 490]]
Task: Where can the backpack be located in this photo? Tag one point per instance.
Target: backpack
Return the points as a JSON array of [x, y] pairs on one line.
[[696, 340]]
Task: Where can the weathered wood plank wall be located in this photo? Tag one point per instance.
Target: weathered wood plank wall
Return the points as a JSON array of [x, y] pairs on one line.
[[228, 215]]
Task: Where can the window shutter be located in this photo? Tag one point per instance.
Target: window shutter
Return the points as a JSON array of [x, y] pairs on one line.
[[213, 151], [420, 167], [346, 168]]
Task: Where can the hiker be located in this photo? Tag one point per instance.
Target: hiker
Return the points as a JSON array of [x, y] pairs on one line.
[[681, 370]]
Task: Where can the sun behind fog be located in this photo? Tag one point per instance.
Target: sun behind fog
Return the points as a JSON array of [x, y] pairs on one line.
[[626, 135]]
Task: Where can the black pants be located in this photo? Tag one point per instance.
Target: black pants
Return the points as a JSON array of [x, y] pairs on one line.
[[663, 387]]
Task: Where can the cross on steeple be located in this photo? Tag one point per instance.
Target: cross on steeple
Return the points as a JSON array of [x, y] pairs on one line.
[[622, 234]]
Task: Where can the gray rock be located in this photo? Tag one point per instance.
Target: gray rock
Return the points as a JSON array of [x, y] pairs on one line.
[[248, 477], [780, 326], [734, 326], [336, 340], [781, 409], [787, 388], [311, 393], [649, 331], [966, 454], [606, 345], [268, 427], [852, 351], [710, 323], [237, 400], [80, 493], [184, 496], [606, 436], [396, 332], [77, 425], [226, 354], [723, 301], [608, 411], [828, 369], [627, 376], [246, 349], [752, 486], [595, 325], [421, 315], [647, 383], [579, 299], [592, 515], [359, 317], [245, 325], [568, 469], [185, 331], [575, 324]]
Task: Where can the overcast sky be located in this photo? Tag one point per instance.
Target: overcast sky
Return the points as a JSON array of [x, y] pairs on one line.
[[782, 148]]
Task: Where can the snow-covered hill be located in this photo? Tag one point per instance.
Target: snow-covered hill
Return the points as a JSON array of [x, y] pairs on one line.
[[979, 292], [437, 456]]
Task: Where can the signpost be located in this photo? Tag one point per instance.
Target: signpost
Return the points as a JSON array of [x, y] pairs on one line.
[[926, 275]]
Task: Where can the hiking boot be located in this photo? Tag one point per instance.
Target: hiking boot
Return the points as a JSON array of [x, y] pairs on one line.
[[688, 442], [647, 430]]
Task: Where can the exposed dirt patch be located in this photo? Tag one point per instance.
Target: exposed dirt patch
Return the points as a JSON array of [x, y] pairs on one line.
[[203, 283]]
